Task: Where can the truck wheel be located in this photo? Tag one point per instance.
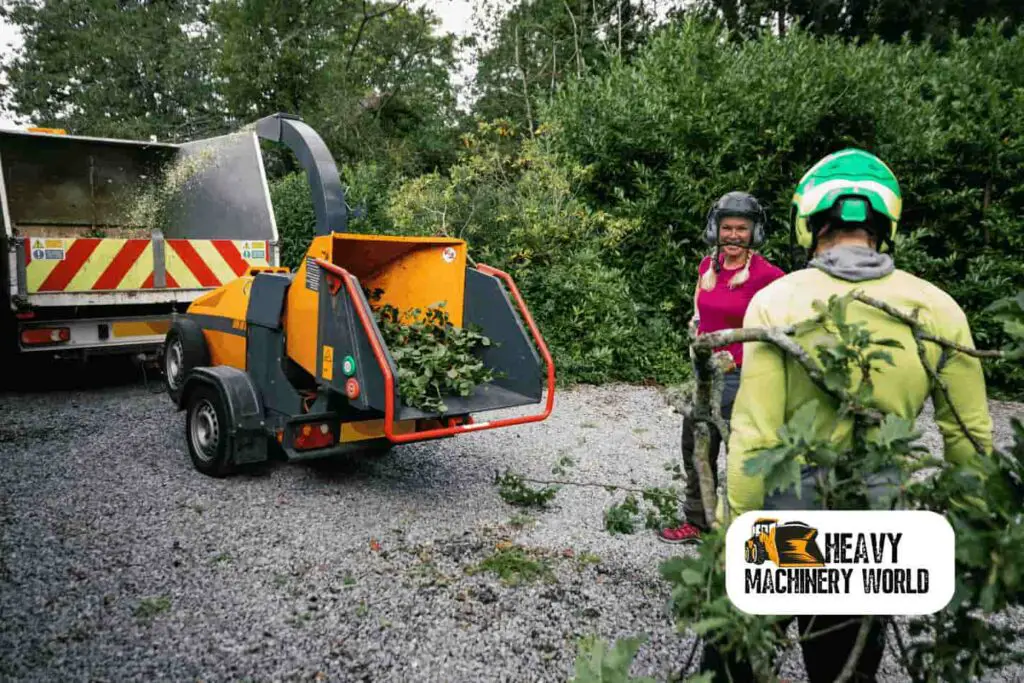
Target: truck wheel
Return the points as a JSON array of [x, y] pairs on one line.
[[760, 554], [206, 427], [184, 348]]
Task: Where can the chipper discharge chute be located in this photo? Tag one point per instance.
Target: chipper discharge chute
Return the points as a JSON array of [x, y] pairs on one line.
[[297, 359]]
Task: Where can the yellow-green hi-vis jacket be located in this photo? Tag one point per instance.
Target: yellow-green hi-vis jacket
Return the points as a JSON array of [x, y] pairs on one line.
[[774, 386]]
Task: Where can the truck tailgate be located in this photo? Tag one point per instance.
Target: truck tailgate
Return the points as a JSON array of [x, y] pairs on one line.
[[84, 265]]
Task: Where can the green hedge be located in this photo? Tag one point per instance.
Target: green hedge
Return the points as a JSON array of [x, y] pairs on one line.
[[696, 116], [599, 217], [516, 206]]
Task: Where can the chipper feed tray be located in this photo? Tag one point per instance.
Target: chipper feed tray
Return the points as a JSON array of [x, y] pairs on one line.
[[297, 359]]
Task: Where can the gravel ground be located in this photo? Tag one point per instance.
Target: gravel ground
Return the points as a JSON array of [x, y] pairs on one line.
[[119, 562]]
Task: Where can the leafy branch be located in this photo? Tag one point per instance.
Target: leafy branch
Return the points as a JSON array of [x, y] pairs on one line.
[[435, 358], [957, 643]]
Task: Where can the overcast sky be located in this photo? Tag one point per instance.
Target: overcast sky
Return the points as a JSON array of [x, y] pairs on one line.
[[456, 17]]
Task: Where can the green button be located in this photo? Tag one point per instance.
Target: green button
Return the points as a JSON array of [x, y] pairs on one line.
[[348, 366]]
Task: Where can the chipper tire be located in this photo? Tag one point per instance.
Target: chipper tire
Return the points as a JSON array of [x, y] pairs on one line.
[[206, 431], [184, 349]]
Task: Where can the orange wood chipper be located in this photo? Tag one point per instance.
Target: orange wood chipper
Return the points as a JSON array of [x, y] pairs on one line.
[[294, 362]]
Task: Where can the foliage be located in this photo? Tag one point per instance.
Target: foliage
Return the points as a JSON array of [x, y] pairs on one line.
[[113, 69], [517, 208], [435, 359], [1010, 312], [515, 566], [693, 116], [659, 510], [597, 663], [982, 501], [514, 491], [618, 519], [371, 78], [293, 213], [890, 20], [523, 53]]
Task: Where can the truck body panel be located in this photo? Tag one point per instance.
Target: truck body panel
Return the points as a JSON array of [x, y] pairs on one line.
[[97, 231]]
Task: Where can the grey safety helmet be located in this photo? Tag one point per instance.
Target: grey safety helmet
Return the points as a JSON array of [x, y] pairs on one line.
[[736, 204]]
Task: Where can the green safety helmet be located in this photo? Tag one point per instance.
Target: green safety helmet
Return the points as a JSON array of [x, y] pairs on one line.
[[850, 186]]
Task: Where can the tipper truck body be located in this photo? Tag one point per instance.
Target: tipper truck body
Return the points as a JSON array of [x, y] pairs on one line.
[[102, 240]]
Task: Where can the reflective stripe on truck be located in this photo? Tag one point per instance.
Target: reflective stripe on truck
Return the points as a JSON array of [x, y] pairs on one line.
[[105, 264]]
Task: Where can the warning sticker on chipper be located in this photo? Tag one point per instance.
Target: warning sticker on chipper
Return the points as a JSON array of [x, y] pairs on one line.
[[254, 251], [47, 250]]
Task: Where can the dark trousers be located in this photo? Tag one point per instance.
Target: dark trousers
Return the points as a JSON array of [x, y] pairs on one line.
[[824, 655], [693, 506]]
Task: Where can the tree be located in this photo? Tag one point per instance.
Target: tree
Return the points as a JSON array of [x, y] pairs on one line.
[[525, 55], [125, 68], [370, 77], [862, 19]]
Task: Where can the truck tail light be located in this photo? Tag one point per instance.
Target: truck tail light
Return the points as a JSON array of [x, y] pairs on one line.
[[45, 335], [313, 435]]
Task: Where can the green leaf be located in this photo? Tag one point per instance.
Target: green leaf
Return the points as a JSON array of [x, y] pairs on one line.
[[705, 625], [692, 577]]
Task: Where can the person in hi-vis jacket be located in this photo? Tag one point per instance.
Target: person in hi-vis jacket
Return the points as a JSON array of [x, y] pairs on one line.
[[845, 212]]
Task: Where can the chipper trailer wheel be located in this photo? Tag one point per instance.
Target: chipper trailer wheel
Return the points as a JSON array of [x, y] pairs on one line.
[[206, 426], [184, 348]]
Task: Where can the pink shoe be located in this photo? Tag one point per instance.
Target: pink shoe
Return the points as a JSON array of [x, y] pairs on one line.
[[687, 533]]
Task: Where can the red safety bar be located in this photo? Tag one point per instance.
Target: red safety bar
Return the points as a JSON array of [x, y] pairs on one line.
[[389, 379]]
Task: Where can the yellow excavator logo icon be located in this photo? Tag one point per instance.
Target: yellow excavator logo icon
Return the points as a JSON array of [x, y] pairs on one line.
[[792, 544]]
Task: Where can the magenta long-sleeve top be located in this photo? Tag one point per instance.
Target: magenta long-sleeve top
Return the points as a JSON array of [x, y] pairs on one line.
[[723, 307]]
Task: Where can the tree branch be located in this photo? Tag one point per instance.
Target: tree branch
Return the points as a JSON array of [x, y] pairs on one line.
[[915, 323], [858, 647], [919, 337], [904, 656], [526, 89], [367, 18], [778, 336], [921, 352], [590, 484], [575, 40]]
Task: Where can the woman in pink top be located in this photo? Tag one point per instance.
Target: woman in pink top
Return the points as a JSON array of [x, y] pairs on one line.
[[727, 281]]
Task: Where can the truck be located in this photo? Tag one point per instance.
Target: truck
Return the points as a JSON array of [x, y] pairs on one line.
[[103, 240], [293, 363]]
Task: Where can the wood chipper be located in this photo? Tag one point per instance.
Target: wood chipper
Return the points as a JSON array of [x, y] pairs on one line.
[[295, 362]]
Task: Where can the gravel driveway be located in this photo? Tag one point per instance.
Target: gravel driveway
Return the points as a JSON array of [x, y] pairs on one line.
[[119, 562]]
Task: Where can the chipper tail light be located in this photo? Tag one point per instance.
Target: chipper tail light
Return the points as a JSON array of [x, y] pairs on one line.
[[45, 335], [313, 435]]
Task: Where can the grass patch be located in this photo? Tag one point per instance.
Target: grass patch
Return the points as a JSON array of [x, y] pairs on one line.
[[515, 566], [521, 521], [150, 607]]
